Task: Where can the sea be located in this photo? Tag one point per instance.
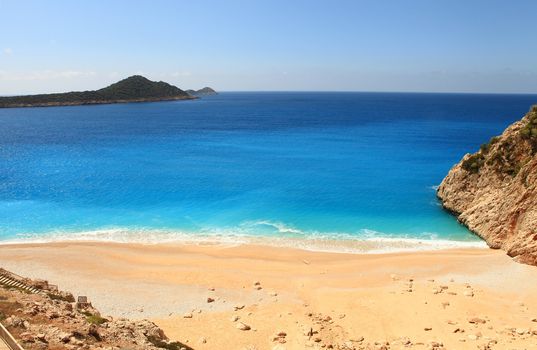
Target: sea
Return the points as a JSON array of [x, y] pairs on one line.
[[330, 171]]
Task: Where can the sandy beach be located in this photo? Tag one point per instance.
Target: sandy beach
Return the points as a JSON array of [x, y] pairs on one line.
[[461, 298]]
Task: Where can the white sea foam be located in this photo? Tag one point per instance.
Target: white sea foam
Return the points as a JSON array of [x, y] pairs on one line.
[[365, 242]]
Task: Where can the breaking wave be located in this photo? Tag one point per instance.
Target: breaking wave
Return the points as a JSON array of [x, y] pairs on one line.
[[268, 233]]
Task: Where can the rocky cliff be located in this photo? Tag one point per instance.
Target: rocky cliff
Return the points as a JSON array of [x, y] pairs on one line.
[[40, 317], [494, 191]]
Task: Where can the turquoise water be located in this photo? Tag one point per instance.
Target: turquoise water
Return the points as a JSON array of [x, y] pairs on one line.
[[308, 168]]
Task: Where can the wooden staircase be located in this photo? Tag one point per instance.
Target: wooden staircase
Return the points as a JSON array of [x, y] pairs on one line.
[[11, 280]]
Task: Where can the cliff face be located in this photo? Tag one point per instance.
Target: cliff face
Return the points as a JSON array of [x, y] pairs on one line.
[[494, 191], [45, 318]]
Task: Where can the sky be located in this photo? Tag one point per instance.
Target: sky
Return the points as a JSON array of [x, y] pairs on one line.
[[267, 45]]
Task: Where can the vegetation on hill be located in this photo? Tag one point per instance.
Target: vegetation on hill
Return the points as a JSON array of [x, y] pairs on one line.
[[133, 89], [206, 91], [507, 155]]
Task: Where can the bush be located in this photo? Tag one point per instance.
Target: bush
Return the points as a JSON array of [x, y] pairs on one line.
[[474, 163], [169, 346], [96, 319]]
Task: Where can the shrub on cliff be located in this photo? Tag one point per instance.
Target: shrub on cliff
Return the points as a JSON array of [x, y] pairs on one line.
[[473, 163], [529, 131]]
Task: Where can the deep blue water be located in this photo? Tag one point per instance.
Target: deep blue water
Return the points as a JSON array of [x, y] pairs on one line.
[[275, 164]]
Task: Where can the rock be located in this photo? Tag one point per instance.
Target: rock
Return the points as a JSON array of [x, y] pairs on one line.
[[234, 318], [468, 293], [187, 315], [238, 307], [427, 329], [65, 337], [210, 300], [242, 326], [26, 337], [521, 331], [476, 320], [280, 337], [202, 340], [492, 192]]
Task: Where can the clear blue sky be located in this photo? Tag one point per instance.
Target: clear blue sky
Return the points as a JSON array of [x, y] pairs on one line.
[[376, 45]]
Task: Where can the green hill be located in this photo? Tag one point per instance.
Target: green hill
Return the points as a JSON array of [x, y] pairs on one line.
[[206, 91], [133, 89]]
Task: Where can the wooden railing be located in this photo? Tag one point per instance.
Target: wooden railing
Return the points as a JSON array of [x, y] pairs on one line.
[[8, 339]]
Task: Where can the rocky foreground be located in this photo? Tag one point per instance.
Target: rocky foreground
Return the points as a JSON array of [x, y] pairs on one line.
[[52, 320], [494, 191]]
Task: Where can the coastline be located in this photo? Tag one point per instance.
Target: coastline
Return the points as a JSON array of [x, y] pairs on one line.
[[365, 295], [366, 242], [97, 102]]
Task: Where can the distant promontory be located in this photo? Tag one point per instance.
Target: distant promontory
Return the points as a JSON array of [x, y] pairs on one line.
[[206, 91], [133, 89]]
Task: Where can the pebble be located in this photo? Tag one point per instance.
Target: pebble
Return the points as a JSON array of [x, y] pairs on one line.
[[521, 331], [468, 293], [472, 336], [210, 300], [234, 318], [243, 327], [476, 320], [427, 329], [187, 315], [238, 307]]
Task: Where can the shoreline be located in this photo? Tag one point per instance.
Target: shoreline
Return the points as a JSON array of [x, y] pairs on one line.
[[322, 243], [98, 102], [373, 296]]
